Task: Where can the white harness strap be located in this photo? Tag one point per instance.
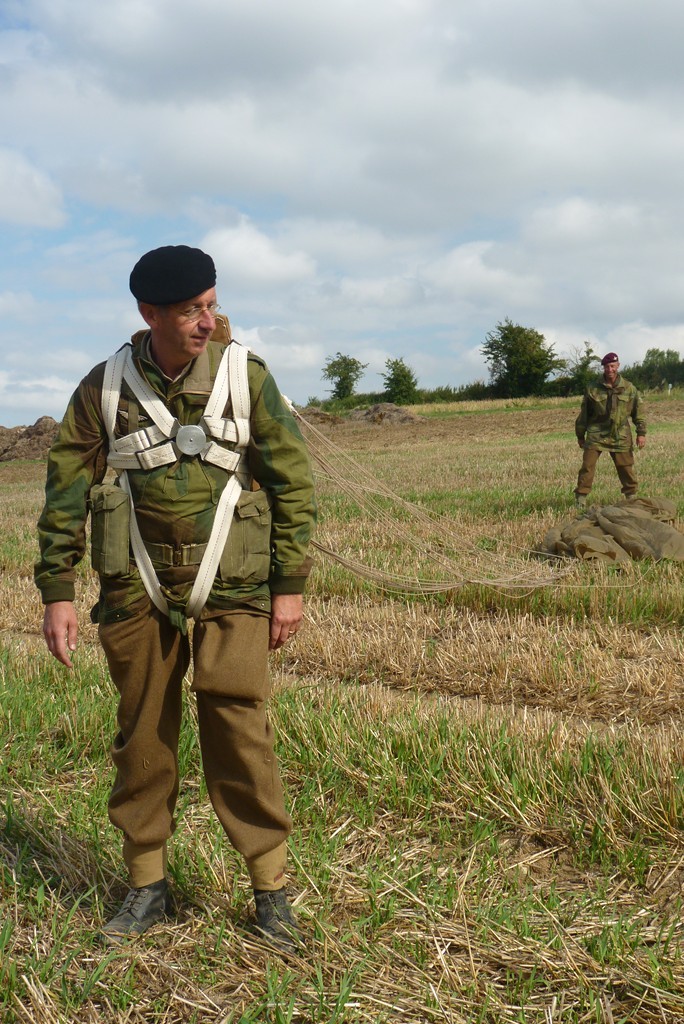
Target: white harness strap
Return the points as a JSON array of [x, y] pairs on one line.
[[149, 399], [142, 558], [217, 541], [231, 380], [143, 450], [111, 388], [232, 368]]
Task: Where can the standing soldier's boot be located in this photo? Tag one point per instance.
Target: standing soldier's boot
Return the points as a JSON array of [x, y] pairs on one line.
[[139, 911], [275, 922]]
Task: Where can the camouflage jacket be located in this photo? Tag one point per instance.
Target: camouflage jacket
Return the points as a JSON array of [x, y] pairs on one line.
[[603, 421], [266, 550]]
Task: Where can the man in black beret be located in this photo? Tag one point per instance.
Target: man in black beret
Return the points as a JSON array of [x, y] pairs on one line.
[[209, 520], [603, 426], [171, 274], [162, 281]]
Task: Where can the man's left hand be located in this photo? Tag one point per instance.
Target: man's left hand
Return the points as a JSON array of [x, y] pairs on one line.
[[641, 441], [286, 618]]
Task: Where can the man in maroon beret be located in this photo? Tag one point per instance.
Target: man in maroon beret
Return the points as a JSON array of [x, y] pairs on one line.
[[603, 426]]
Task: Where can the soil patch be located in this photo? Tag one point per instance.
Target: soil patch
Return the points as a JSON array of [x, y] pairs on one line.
[[385, 413], [28, 442]]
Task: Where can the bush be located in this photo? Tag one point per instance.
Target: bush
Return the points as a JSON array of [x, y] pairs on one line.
[[401, 383]]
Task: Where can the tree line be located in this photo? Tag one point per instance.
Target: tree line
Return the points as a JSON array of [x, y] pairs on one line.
[[521, 364]]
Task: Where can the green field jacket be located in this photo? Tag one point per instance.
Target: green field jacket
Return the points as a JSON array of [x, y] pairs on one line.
[[603, 421], [267, 547]]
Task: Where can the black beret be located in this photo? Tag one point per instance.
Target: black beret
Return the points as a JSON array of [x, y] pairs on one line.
[[172, 273]]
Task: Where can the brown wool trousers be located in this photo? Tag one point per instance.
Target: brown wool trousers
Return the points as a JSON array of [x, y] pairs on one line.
[[624, 464], [148, 659]]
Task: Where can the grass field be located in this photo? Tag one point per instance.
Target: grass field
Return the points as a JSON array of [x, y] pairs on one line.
[[487, 785]]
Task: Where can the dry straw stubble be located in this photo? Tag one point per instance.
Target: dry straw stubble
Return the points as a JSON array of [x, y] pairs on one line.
[[486, 789]]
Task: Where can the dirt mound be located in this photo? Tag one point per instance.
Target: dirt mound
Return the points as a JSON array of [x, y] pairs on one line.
[[386, 412], [313, 414], [28, 442]]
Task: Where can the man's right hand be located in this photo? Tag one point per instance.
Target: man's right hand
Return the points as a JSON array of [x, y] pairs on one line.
[[580, 442], [60, 628]]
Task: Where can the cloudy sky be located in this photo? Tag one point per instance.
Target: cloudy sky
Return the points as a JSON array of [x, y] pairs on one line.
[[378, 177]]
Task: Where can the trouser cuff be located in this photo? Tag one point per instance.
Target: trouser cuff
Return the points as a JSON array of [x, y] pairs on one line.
[[146, 864], [267, 871]]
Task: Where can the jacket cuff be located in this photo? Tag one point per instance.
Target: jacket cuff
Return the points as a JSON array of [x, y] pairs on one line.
[[59, 590], [293, 582], [287, 584]]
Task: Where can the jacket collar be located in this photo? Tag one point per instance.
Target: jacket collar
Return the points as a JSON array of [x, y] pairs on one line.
[[618, 385]]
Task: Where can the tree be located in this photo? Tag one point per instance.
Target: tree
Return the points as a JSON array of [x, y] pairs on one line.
[[657, 370], [583, 367], [401, 383], [345, 373], [520, 360]]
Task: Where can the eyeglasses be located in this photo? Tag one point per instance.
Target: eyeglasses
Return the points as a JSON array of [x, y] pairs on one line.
[[194, 313]]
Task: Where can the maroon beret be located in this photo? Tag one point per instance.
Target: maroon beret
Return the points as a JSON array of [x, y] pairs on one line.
[[172, 273], [610, 357]]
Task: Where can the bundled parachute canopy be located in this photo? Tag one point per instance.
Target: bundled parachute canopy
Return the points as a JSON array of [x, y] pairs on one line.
[[635, 528]]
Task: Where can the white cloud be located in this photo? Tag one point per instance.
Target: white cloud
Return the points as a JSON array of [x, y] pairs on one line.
[[27, 195], [20, 47], [49, 394], [282, 349], [394, 293], [247, 257], [100, 261], [356, 119], [15, 303], [238, 43], [293, 356], [341, 244], [381, 179], [64, 362], [576, 220], [470, 273], [610, 45]]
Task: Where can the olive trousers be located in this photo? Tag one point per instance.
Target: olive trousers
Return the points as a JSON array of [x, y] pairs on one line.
[[624, 464], [148, 660]]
